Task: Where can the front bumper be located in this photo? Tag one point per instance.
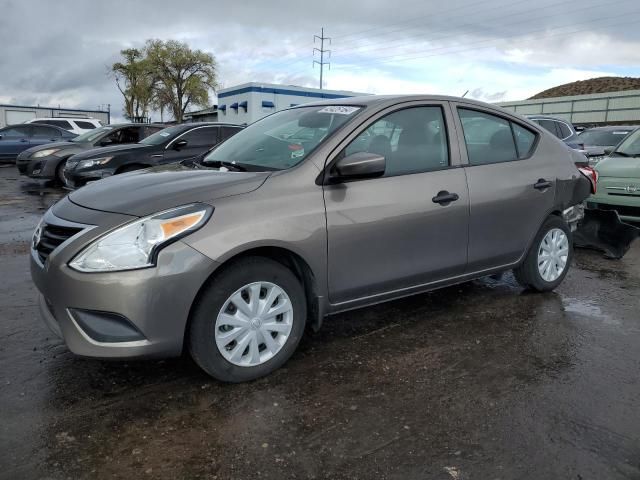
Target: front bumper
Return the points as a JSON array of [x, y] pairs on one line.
[[42, 168], [155, 301], [76, 179], [617, 194]]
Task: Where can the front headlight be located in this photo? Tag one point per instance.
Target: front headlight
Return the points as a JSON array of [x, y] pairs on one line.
[[94, 162], [45, 153], [135, 245]]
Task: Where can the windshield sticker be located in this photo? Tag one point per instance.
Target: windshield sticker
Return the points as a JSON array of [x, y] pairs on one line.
[[339, 109], [164, 134]]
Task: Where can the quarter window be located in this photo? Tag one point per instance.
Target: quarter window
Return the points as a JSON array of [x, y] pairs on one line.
[[549, 125], [411, 140], [564, 130], [524, 140]]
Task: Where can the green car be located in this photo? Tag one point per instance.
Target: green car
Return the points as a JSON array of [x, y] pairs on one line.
[[619, 182]]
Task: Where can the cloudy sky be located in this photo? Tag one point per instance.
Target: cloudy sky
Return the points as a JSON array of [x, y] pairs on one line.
[[59, 52]]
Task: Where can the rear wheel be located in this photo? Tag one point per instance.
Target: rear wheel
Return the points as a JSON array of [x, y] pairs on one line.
[[248, 321], [549, 257]]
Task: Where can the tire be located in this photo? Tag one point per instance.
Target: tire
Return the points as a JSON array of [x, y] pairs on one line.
[[60, 172], [219, 356], [530, 272]]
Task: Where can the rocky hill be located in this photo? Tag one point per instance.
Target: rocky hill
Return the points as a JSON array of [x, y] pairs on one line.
[[593, 85]]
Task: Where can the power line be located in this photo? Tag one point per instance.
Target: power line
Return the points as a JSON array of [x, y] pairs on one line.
[[492, 42], [322, 52]]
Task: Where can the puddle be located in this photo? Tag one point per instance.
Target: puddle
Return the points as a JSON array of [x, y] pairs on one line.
[[587, 309]]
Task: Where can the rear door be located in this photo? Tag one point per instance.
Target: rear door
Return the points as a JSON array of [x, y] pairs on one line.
[[14, 140], [511, 189], [388, 234], [199, 140]]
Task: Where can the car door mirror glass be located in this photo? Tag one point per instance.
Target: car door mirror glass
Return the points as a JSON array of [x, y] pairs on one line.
[[359, 165]]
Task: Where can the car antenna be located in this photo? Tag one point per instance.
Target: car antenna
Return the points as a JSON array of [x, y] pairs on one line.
[[464, 94]]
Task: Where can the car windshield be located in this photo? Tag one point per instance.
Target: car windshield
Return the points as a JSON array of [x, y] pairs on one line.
[[92, 135], [163, 135], [282, 140], [603, 138], [630, 146]]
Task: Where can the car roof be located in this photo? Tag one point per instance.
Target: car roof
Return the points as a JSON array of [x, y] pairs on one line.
[[614, 127], [63, 118], [39, 125], [547, 117], [371, 100]]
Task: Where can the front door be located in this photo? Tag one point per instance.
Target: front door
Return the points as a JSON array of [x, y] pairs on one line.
[[390, 233]]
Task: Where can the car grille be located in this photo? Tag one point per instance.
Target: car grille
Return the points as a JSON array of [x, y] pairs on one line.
[[621, 209], [53, 236]]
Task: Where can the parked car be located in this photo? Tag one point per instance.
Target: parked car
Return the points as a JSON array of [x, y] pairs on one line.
[[598, 139], [47, 162], [14, 139], [75, 125], [171, 145], [619, 180], [277, 228], [560, 128]]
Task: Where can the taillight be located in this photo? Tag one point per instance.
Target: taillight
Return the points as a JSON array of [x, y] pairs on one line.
[[592, 175]]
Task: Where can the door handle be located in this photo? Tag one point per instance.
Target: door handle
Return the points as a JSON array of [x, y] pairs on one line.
[[23, 140], [541, 184], [444, 198]]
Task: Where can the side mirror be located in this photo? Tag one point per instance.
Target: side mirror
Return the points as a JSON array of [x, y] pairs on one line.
[[180, 144], [359, 165], [105, 142], [608, 151]]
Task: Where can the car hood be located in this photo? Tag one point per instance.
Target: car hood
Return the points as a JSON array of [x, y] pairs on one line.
[[47, 146], [114, 149], [621, 167], [595, 150], [144, 192]]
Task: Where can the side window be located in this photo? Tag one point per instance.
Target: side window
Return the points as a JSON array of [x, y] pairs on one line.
[[58, 123], [126, 135], [488, 137], [549, 125], [45, 132], [226, 132], [85, 125], [564, 130], [15, 132], [200, 137], [411, 140], [524, 140]]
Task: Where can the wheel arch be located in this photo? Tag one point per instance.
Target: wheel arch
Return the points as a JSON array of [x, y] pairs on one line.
[[287, 257]]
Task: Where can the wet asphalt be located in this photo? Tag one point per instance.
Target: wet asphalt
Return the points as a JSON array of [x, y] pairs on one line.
[[477, 381]]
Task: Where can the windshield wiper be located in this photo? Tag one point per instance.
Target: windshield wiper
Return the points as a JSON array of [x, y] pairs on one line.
[[221, 163]]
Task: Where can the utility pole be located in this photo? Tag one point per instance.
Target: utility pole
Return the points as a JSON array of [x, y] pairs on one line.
[[322, 53]]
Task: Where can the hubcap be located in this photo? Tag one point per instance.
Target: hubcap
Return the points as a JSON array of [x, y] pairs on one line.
[[254, 324], [553, 254]]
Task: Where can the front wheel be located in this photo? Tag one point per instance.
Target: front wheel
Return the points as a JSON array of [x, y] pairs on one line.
[[248, 321], [548, 258]]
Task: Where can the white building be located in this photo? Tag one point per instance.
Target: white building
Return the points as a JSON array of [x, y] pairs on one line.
[[249, 102], [12, 114]]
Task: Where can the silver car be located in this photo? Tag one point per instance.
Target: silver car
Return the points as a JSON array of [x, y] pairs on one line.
[[313, 210]]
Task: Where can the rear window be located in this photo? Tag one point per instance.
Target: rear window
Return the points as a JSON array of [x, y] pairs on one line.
[[565, 132], [603, 138]]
